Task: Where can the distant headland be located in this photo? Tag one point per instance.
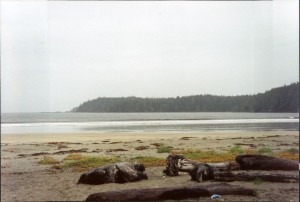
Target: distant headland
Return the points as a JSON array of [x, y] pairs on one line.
[[280, 99]]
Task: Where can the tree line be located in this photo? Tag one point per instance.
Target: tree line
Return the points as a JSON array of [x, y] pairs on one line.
[[281, 99]]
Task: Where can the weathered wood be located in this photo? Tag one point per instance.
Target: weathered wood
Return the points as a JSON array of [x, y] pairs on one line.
[[243, 176], [118, 173], [261, 162], [170, 193]]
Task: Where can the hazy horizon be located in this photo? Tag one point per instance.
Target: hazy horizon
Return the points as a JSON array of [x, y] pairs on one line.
[[57, 55]]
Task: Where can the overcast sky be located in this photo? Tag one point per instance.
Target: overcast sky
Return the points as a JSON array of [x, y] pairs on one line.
[[56, 55]]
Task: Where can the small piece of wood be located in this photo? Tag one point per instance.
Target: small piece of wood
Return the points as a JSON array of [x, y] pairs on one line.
[[170, 193], [243, 176], [261, 162]]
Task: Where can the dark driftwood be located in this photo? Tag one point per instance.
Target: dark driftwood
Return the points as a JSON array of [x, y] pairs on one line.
[[243, 176], [261, 162], [118, 173], [170, 193]]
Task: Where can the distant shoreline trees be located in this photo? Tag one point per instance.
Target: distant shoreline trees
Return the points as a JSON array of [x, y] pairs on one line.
[[281, 99]]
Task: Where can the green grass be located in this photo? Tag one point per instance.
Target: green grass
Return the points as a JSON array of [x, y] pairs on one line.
[[79, 162], [75, 156], [47, 160], [293, 151], [257, 181], [149, 161], [210, 156], [265, 150], [83, 163], [164, 150], [237, 150]]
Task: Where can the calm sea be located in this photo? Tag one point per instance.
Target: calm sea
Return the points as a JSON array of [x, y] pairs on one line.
[[12, 123]]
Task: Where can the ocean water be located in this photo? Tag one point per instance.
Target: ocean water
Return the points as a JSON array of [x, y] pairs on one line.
[[16, 123]]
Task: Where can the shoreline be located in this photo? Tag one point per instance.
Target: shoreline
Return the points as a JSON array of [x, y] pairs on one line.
[[90, 136]]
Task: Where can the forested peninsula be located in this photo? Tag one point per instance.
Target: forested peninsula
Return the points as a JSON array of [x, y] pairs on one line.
[[281, 99]]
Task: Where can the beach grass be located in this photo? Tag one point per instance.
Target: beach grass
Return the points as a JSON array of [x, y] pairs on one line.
[[257, 181], [237, 150], [164, 150], [83, 163], [265, 150], [47, 160], [212, 156], [292, 154], [149, 161], [80, 163]]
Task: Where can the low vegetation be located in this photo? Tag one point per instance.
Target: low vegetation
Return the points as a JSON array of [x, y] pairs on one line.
[[237, 150], [292, 154], [265, 150], [83, 163], [149, 161], [212, 156], [164, 150], [80, 163], [47, 160], [258, 181]]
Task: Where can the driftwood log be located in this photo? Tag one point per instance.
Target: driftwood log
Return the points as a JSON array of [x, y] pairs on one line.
[[243, 176], [198, 171], [118, 173], [170, 193], [261, 162]]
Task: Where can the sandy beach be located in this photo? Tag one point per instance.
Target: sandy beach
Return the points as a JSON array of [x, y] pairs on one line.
[[24, 179]]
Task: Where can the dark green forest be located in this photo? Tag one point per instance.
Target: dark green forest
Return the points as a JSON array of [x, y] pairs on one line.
[[281, 99]]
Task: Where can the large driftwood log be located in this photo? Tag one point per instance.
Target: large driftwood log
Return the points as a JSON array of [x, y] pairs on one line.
[[170, 193], [261, 162], [243, 176]]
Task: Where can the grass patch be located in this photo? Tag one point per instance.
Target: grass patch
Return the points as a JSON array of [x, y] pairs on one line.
[[47, 160], [293, 151], [164, 150], [149, 161], [237, 150], [212, 156], [265, 150], [291, 154], [207, 156], [75, 156], [257, 181], [83, 163]]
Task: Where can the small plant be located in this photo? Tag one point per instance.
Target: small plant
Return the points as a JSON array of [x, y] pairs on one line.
[[237, 150], [257, 181], [74, 156], [293, 151], [47, 160], [265, 150], [164, 150]]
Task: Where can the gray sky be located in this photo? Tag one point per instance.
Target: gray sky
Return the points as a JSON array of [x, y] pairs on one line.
[[56, 55]]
